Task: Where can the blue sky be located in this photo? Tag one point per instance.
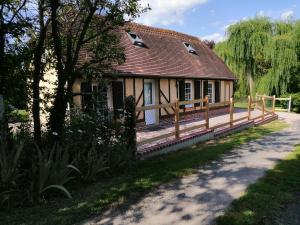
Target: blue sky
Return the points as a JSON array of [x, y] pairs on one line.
[[208, 19]]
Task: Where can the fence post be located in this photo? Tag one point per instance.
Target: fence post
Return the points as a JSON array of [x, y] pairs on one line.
[[231, 112], [207, 112], [290, 104], [263, 107], [249, 107], [256, 99], [273, 108], [177, 119]]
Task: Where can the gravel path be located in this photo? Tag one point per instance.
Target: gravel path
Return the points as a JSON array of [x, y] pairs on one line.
[[199, 198]]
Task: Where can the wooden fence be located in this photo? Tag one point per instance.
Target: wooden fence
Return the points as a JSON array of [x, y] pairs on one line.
[[289, 104], [259, 103]]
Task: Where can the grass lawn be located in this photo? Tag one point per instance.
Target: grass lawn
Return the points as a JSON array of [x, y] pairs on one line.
[[273, 200], [131, 184]]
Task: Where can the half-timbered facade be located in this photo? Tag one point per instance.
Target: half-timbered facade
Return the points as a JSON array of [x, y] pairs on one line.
[[161, 66]]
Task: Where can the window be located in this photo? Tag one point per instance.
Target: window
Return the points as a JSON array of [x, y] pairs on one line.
[[188, 93], [190, 48], [94, 97], [210, 91], [135, 39], [99, 98], [148, 94]]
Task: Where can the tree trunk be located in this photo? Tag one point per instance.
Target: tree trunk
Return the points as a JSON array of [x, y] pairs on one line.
[[251, 84], [38, 74], [2, 46], [57, 114]]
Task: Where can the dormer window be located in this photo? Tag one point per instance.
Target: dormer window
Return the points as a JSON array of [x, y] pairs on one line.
[[190, 48], [135, 39]]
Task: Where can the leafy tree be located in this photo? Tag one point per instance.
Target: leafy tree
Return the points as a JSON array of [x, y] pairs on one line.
[[38, 43], [13, 25], [88, 24], [264, 54]]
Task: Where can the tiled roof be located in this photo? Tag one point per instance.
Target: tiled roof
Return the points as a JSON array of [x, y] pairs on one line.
[[166, 56]]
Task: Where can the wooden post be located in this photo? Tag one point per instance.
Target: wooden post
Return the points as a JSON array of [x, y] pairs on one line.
[[263, 107], [256, 99], [273, 106], [249, 107], [207, 112], [290, 104], [231, 112], [177, 119]]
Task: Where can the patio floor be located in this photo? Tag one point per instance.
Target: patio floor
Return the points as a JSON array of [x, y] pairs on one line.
[[164, 127]]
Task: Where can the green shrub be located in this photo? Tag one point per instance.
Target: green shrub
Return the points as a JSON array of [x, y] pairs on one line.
[[295, 102], [98, 143], [18, 116], [92, 145], [52, 172], [10, 173]]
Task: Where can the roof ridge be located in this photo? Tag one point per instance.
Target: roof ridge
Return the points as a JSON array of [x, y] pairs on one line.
[[162, 31]]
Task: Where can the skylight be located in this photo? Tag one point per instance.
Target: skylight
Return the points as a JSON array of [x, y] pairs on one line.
[[135, 39], [190, 48]]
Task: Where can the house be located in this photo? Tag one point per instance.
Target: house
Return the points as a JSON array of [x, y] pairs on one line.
[[162, 66]]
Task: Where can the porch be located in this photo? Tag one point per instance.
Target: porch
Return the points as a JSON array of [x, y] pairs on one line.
[[208, 124]]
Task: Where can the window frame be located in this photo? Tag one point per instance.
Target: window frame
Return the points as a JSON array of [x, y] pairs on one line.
[[190, 93], [211, 97]]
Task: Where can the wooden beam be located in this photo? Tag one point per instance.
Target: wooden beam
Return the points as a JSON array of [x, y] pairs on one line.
[[191, 102], [273, 104], [207, 112], [231, 112], [150, 107], [263, 107], [177, 132], [192, 128], [249, 107], [147, 141], [290, 104]]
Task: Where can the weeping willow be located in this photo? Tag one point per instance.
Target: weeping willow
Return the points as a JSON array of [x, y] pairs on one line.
[[263, 54]]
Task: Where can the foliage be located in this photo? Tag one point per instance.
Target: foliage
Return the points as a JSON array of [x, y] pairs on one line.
[[295, 102], [53, 171], [264, 54], [130, 125], [14, 23], [138, 179], [264, 201], [97, 143], [10, 153], [18, 116], [91, 31]]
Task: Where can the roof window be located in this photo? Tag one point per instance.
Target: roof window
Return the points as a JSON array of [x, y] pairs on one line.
[[190, 48], [135, 39]]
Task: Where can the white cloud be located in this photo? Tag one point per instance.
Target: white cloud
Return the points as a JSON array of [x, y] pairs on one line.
[[261, 13], [217, 37], [224, 28], [167, 12], [286, 15]]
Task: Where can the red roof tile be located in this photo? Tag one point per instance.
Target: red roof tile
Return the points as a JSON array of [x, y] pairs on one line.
[[166, 56]]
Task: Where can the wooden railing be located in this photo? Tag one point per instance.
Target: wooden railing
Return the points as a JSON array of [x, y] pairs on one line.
[[258, 103], [289, 104]]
